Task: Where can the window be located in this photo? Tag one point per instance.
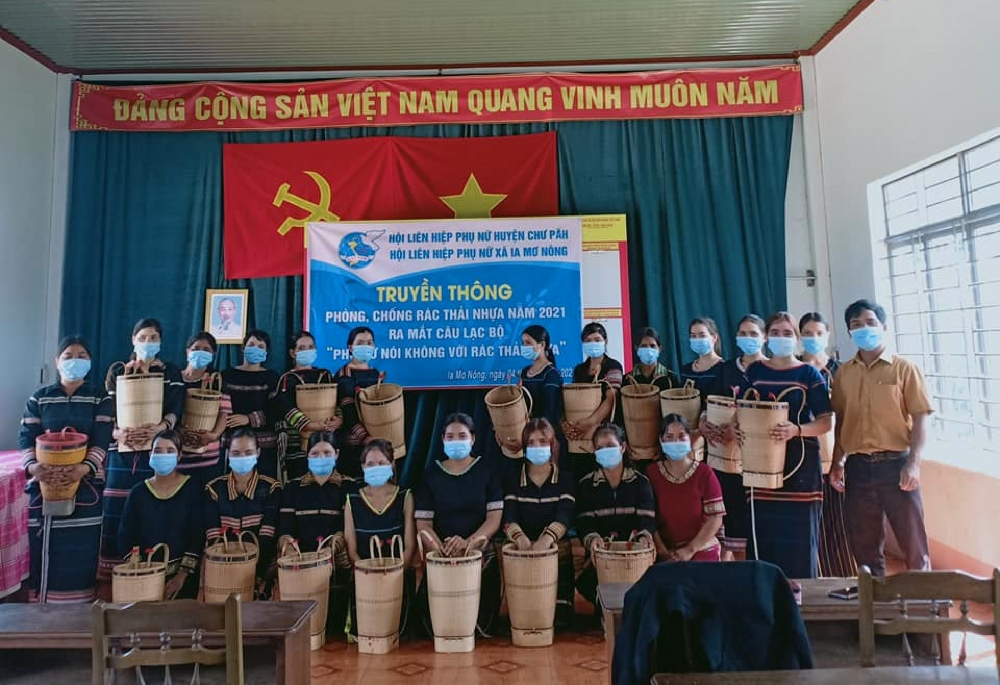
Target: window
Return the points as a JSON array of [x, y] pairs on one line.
[[942, 263]]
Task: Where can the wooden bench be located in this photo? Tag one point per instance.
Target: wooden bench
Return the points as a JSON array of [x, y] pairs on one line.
[[282, 625], [817, 608]]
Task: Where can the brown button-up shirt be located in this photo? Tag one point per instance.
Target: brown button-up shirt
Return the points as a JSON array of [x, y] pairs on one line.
[[874, 403]]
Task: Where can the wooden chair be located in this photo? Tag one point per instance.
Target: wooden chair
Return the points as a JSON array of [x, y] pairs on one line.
[[941, 588], [140, 634]]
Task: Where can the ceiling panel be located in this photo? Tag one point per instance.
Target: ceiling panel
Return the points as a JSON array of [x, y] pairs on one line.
[[211, 35]]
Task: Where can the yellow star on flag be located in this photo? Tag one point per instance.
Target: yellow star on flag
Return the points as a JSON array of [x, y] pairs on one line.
[[473, 203]]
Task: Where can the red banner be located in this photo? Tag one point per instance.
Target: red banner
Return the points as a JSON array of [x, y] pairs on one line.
[[271, 191], [512, 98]]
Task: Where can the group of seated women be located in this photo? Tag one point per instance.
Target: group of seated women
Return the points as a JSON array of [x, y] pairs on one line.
[[267, 468]]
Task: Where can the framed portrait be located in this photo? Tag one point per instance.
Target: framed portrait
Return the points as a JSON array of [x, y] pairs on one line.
[[226, 315]]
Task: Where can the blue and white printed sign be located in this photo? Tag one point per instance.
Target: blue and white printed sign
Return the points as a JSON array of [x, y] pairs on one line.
[[448, 299]]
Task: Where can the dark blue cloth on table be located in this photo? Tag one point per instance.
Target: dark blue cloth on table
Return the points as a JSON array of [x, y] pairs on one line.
[[739, 616]]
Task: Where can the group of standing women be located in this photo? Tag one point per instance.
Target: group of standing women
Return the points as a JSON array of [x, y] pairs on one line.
[[132, 475], [266, 467]]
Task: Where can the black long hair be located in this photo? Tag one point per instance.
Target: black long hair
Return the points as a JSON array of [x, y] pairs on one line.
[[541, 335]]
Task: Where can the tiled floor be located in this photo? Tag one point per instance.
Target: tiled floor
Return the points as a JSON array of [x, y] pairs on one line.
[[576, 659]]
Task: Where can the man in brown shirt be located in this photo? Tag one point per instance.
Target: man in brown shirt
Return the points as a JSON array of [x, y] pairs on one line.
[[882, 406]]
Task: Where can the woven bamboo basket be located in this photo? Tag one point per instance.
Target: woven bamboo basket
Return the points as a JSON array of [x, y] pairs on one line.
[[230, 568], [453, 586], [65, 448], [138, 401], [510, 408], [721, 411], [201, 408], [530, 580], [581, 400], [641, 413], [826, 442], [378, 595], [622, 561], [317, 400], [381, 410], [305, 576], [140, 581], [685, 401], [763, 456]]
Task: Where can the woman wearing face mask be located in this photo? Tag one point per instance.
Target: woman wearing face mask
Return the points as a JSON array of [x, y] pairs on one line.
[[381, 509], [689, 507], [614, 500], [167, 508], [302, 351], [539, 506], [356, 374], [125, 470], [245, 500], [732, 381], [704, 342], [785, 522], [460, 505], [251, 389], [64, 542], [200, 455], [541, 378], [598, 368], [835, 557], [648, 369]]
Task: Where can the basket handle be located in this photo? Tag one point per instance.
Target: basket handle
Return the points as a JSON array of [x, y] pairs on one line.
[[396, 539], [284, 379], [374, 547], [328, 540], [110, 376], [473, 542], [324, 374], [756, 394], [166, 553], [689, 384], [528, 396], [212, 381], [420, 543], [67, 431], [294, 544], [253, 539]]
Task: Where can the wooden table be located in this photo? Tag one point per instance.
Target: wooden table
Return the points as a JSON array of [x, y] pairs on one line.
[[896, 675], [285, 625]]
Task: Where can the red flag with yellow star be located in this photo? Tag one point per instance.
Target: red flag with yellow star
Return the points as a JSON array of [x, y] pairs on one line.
[[272, 190]]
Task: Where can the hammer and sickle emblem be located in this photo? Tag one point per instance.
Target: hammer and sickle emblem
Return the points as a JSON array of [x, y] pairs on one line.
[[317, 211]]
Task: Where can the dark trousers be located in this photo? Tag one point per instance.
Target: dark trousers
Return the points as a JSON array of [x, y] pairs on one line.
[[873, 494]]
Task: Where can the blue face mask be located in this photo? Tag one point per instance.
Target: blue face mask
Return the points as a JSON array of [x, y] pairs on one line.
[[538, 455], [200, 359], [241, 466], [305, 357], [648, 355], [377, 476], [322, 466], [73, 369], [782, 347], [457, 449], [676, 451], [146, 350], [814, 345], [254, 355], [608, 457], [748, 345], [594, 349], [529, 353], [163, 463], [363, 353], [868, 338], [700, 346]]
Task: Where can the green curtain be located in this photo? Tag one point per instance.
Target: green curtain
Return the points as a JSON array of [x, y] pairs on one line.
[[705, 201]]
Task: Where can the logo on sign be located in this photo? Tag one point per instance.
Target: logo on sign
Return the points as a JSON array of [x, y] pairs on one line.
[[357, 250]]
